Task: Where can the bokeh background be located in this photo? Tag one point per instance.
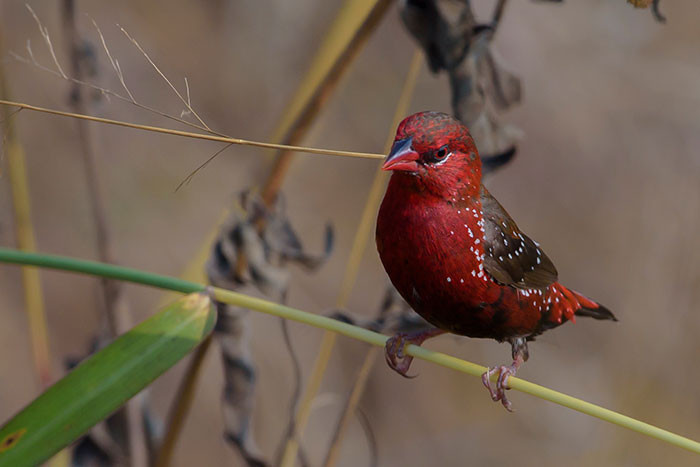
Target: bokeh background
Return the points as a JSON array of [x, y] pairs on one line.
[[607, 179]]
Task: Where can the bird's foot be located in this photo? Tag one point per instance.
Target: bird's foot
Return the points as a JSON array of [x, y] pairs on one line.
[[394, 349], [504, 372]]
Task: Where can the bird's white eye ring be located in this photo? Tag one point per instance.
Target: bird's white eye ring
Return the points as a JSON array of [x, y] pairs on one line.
[[440, 156]]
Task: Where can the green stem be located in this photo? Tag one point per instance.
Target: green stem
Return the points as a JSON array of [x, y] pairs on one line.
[[95, 268], [354, 332]]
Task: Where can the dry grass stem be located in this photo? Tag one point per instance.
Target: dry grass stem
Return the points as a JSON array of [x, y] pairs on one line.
[[358, 248], [26, 241], [116, 309], [162, 75], [177, 414], [45, 34], [187, 134], [115, 64], [31, 60], [351, 405], [341, 46]]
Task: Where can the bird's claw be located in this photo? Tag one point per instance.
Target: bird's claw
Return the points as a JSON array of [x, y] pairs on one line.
[[499, 392], [394, 349], [395, 356]]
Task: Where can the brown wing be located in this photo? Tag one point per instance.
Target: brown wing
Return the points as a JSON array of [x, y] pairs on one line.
[[512, 258]]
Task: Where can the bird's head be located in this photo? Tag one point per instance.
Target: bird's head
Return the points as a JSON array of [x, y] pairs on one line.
[[438, 151]]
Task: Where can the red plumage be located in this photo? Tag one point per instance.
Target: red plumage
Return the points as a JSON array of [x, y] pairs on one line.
[[454, 253]]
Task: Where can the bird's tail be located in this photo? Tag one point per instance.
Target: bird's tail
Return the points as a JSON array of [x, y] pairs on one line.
[[570, 304], [590, 308]]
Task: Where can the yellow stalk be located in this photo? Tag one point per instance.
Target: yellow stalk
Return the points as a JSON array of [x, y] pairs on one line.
[[181, 405], [350, 30], [362, 236], [338, 48], [350, 405], [33, 296], [26, 241]]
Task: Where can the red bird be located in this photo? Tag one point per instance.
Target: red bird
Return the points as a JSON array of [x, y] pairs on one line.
[[457, 257]]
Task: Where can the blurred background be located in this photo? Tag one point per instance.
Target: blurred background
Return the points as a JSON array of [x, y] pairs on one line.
[[607, 179]]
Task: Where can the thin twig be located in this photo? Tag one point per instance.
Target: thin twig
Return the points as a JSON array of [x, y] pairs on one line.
[[106, 92], [116, 310], [317, 85], [187, 134], [189, 99], [181, 404], [371, 438], [295, 125], [115, 64], [359, 246], [296, 371], [188, 179], [184, 101], [498, 13], [352, 267], [350, 406], [6, 118], [45, 34]]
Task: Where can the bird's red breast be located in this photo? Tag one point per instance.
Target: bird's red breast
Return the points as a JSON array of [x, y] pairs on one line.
[[453, 252]]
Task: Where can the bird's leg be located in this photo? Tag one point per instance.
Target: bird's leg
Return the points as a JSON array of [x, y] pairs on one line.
[[394, 348], [520, 355]]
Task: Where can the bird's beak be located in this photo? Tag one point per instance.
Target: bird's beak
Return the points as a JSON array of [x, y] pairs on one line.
[[402, 156]]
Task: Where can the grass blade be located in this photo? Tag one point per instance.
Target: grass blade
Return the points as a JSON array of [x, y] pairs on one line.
[[105, 381]]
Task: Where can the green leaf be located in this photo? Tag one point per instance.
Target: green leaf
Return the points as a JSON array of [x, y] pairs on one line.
[[105, 381]]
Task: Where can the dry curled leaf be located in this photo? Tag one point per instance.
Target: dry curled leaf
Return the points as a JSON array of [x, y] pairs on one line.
[[262, 240], [233, 335], [266, 240], [456, 44]]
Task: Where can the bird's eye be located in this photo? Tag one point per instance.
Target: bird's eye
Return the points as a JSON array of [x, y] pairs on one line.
[[440, 154]]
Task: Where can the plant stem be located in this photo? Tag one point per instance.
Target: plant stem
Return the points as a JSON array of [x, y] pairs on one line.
[[352, 29], [33, 294], [189, 134], [354, 332], [359, 245], [181, 405]]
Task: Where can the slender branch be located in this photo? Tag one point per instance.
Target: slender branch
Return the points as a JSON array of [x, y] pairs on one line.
[[354, 332], [191, 175], [116, 310], [115, 64], [351, 405], [117, 70], [334, 58], [162, 75], [110, 291], [187, 134], [181, 405], [352, 267], [47, 39]]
